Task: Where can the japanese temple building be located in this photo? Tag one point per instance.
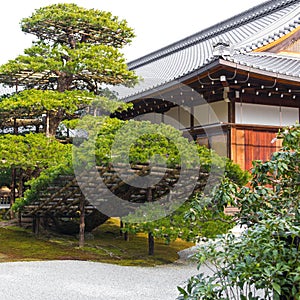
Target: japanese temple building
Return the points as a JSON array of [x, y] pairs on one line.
[[231, 86]]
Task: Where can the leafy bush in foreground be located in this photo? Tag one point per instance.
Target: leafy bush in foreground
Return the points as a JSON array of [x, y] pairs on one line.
[[265, 262]]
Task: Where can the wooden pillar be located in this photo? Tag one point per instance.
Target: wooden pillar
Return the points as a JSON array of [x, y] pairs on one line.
[[125, 234], [81, 222], [192, 118], [150, 244], [13, 191], [230, 135], [47, 130], [126, 238], [149, 195], [36, 225], [121, 226], [150, 234], [13, 177], [33, 224], [19, 219]]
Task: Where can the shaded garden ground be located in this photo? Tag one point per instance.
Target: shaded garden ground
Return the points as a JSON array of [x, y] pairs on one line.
[[104, 245]]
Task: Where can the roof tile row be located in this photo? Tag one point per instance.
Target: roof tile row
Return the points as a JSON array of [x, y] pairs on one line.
[[245, 32]]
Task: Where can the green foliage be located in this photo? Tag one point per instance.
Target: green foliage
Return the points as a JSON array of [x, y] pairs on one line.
[[103, 132], [236, 174], [37, 102], [184, 223], [57, 22], [75, 57], [114, 140], [200, 216], [264, 262], [274, 189], [144, 140], [89, 63], [40, 183], [30, 154], [77, 48], [32, 151], [260, 264], [192, 221]]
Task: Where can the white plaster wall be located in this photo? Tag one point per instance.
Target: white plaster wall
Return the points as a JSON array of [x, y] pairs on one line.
[[201, 113], [171, 117], [211, 113], [248, 113], [185, 117], [152, 117], [178, 117], [290, 115], [219, 112]]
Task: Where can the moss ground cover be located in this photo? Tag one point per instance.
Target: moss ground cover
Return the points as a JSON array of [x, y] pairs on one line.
[[106, 245]]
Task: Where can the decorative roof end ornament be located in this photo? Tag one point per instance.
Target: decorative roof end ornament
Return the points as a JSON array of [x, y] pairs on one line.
[[222, 48]]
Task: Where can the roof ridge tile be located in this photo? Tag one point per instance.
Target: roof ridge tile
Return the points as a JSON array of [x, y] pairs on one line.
[[245, 17]]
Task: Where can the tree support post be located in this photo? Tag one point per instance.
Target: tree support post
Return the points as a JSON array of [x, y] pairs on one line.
[[36, 224], [124, 234], [150, 244], [150, 234], [19, 218], [81, 222], [13, 191]]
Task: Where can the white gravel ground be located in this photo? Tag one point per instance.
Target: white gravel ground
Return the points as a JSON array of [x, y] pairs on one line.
[[70, 280], [80, 280]]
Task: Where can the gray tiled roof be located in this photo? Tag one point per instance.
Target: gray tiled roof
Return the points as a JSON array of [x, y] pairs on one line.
[[245, 32], [270, 62]]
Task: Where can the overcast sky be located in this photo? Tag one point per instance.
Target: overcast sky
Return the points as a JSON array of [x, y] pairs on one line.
[[156, 23]]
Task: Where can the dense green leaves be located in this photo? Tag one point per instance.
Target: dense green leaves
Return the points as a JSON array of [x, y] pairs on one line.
[[85, 66], [114, 140], [275, 186], [40, 183], [111, 140], [37, 102], [32, 151], [77, 50], [60, 21], [264, 262], [187, 222]]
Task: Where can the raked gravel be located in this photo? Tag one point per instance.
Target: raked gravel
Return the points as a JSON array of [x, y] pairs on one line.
[[81, 280], [70, 280]]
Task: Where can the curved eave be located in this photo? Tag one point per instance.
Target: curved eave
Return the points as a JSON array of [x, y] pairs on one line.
[[151, 92], [254, 70], [217, 63]]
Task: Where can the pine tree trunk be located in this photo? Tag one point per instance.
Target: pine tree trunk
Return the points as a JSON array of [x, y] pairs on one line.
[[52, 122]]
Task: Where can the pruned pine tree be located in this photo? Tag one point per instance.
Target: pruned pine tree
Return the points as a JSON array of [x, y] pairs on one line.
[[76, 54]]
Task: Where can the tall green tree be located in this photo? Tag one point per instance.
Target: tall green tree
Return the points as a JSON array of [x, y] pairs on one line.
[[76, 54], [76, 50]]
